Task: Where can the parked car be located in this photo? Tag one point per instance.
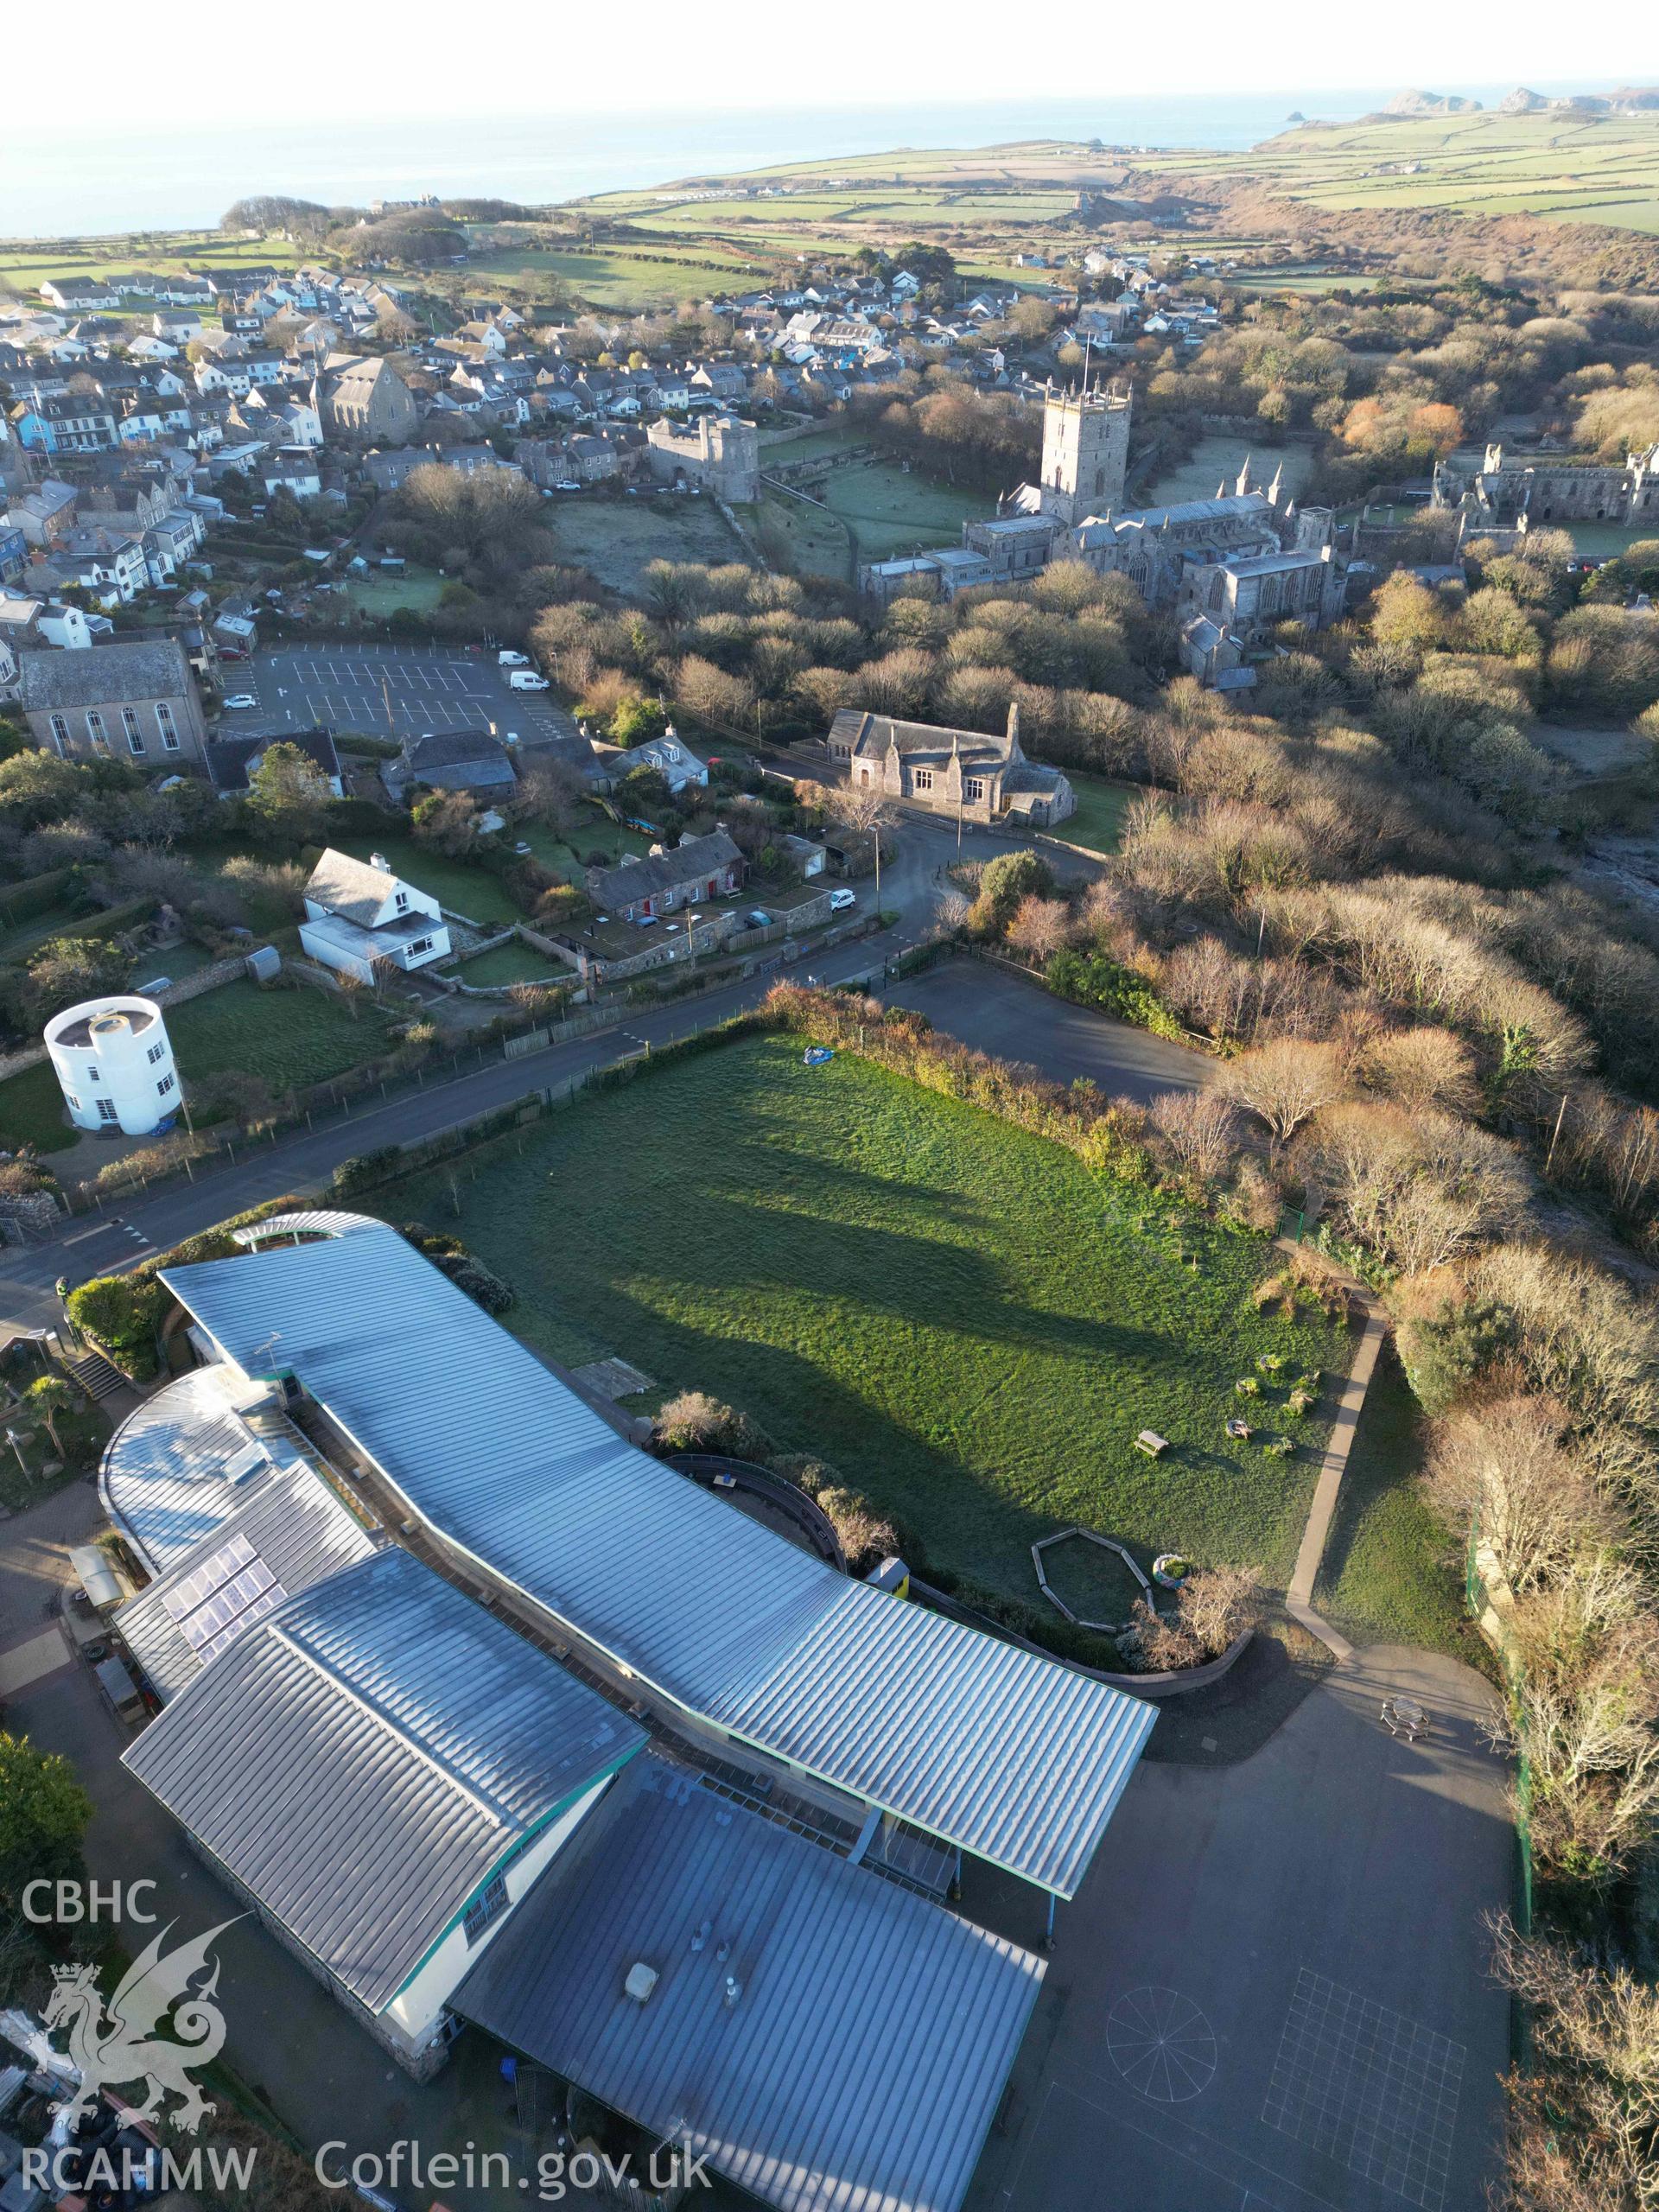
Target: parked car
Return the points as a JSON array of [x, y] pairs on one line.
[[507, 658], [525, 679], [758, 918], [841, 900], [241, 699]]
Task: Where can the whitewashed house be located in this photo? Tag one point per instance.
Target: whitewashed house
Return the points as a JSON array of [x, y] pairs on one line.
[[359, 914]]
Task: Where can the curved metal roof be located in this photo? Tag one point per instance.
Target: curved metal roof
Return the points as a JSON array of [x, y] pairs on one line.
[[1003, 1753]]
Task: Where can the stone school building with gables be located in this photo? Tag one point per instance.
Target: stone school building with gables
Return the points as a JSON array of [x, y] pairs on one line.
[[954, 771]]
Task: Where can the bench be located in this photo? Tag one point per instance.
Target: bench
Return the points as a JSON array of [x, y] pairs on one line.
[[1151, 1443]]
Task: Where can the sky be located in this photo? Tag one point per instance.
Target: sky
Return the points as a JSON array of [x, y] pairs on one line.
[[418, 58]]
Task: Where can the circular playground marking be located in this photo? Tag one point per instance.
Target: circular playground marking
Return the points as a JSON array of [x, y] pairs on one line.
[[1161, 2045]]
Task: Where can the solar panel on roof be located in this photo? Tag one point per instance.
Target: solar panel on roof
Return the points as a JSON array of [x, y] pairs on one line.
[[226, 1594], [198, 1586]]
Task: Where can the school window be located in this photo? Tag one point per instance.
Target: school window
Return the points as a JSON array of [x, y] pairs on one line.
[[95, 729], [166, 1084], [923, 779], [164, 723], [974, 788], [130, 723], [59, 732], [106, 1110], [485, 1907]]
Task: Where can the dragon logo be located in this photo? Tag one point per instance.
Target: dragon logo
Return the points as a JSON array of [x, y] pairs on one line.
[[123, 2047]]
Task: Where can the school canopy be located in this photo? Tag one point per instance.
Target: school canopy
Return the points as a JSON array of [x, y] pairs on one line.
[[826, 2039], [994, 1750]]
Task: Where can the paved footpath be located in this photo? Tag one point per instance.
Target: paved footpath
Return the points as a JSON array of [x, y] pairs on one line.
[[1298, 1599]]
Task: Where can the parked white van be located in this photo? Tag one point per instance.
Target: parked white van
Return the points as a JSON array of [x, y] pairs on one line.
[[525, 679], [508, 659]]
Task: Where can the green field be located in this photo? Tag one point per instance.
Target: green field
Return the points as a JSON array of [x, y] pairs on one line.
[[886, 509], [613, 538], [25, 264], [1391, 1573], [594, 832], [1098, 822], [510, 964], [417, 589], [963, 1318]]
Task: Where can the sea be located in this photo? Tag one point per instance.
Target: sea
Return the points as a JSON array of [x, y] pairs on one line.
[[60, 184]]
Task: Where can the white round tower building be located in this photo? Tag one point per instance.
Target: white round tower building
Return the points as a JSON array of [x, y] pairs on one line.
[[114, 1062]]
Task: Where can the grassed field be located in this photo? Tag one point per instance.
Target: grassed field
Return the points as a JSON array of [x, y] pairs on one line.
[[1217, 460], [418, 589], [615, 538], [509, 964], [885, 508], [611, 275], [1098, 822], [815, 543], [1582, 168], [26, 263], [1391, 1573], [970, 1325], [288, 1039], [32, 1112], [594, 832]]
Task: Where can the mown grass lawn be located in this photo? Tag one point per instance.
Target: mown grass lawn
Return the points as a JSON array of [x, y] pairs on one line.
[[510, 964], [32, 1112], [1101, 804], [288, 1039], [1387, 1576], [961, 1317]]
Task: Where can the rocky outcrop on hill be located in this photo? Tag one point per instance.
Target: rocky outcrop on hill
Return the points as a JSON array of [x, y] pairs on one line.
[[1417, 103]]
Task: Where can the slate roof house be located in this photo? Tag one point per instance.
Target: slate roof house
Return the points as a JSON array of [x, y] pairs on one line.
[[360, 913], [233, 762], [697, 868], [136, 701], [951, 771], [455, 760]]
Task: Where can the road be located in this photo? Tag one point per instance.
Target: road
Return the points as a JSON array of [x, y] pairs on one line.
[[997, 1012], [392, 691]]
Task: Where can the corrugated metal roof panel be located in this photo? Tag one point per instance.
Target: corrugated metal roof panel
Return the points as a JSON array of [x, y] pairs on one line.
[[163, 1471], [1010, 1756], [859, 2069], [365, 1756], [296, 1525]]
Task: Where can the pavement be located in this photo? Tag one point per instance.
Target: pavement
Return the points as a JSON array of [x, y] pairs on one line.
[[1271, 1993], [391, 691]]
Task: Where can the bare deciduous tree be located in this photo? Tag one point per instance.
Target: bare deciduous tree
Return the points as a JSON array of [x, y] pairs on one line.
[[1040, 928], [1284, 1082], [1504, 1466], [1201, 1129]]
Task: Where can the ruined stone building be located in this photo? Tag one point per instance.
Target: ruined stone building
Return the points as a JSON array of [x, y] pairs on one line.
[[1500, 491]]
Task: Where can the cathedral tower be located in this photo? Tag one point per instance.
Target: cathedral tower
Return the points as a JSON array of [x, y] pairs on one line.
[[1086, 454]]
